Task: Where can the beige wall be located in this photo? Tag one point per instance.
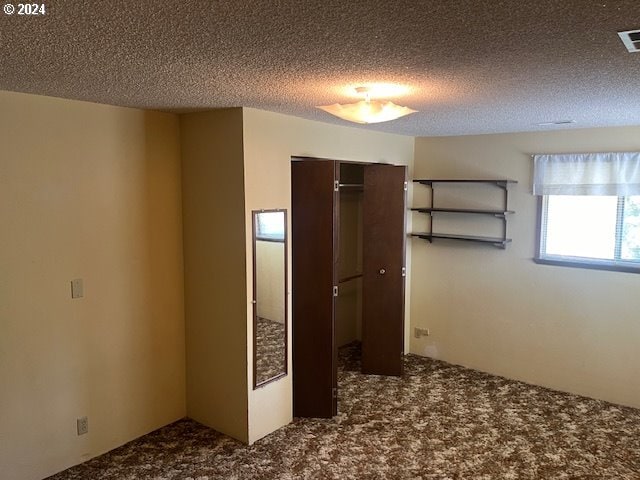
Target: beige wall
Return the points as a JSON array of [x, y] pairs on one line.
[[570, 329], [215, 272], [93, 192], [270, 140]]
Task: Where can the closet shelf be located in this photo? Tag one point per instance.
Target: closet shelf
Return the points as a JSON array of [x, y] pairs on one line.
[[497, 241], [498, 213]]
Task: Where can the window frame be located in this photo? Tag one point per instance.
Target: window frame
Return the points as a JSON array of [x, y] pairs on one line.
[[580, 262]]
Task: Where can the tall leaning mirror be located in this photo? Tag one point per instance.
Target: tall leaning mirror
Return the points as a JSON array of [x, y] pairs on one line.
[[269, 296]]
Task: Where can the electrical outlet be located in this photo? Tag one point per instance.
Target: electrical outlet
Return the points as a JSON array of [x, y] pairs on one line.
[[421, 332], [83, 425], [77, 288]]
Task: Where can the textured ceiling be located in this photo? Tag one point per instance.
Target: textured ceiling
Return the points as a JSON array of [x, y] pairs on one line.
[[471, 66]]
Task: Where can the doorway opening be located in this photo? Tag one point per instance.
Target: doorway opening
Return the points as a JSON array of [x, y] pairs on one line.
[[348, 307], [348, 240]]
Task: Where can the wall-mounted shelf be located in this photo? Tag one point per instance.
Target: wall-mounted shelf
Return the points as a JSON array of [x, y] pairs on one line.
[[501, 182], [496, 241], [500, 213], [495, 213]]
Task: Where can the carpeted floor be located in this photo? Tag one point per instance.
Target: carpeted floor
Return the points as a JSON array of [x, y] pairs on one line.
[[438, 421], [270, 353]]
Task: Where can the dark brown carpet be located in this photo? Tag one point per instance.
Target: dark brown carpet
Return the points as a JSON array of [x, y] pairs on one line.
[[438, 421], [270, 349]]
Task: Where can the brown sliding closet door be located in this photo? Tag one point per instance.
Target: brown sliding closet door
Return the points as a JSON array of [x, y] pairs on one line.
[[314, 239], [383, 212]]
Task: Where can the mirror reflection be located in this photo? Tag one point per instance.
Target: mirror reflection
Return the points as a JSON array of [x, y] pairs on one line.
[[270, 299]]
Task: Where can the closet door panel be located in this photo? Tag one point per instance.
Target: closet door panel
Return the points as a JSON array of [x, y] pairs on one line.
[[313, 219], [384, 210]]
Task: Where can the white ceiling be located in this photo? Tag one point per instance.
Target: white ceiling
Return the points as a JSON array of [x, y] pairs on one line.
[[471, 66]]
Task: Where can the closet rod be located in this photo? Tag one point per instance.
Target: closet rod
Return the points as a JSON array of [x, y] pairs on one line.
[[352, 277], [351, 185]]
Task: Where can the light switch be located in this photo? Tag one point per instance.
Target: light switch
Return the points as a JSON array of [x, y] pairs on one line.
[[77, 289]]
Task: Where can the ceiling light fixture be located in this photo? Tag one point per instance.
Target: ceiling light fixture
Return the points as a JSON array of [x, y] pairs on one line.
[[367, 110]]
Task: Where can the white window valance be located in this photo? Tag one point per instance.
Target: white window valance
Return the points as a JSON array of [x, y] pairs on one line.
[[587, 174]]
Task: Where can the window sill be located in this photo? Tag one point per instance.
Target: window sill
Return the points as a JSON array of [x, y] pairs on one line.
[[589, 265], [270, 239]]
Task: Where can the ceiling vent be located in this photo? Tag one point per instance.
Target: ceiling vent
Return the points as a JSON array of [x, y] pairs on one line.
[[631, 40]]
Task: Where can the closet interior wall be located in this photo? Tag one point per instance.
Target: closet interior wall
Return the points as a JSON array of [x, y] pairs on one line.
[[349, 301]]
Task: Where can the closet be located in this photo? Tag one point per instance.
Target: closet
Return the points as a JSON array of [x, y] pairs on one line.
[[348, 252]]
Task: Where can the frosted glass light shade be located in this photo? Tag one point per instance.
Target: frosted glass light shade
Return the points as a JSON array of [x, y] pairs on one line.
[[372, 111]]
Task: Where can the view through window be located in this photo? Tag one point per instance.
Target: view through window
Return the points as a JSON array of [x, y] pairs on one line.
[[598, 230], [270, 226]]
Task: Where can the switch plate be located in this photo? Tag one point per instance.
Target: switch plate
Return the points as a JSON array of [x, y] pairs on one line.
[[82, 424], [77, 288]]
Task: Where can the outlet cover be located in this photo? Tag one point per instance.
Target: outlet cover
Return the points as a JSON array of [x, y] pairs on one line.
[[77, 288], [421, 332], [83, 425]]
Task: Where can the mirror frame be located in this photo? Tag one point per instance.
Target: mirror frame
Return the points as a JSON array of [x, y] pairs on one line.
[[284, 373]]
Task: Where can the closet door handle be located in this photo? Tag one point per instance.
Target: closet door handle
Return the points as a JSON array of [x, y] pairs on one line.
[[382, 271]]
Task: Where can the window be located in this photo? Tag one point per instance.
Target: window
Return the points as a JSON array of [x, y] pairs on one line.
[[589, 209], [270, 226], [590, 231]]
